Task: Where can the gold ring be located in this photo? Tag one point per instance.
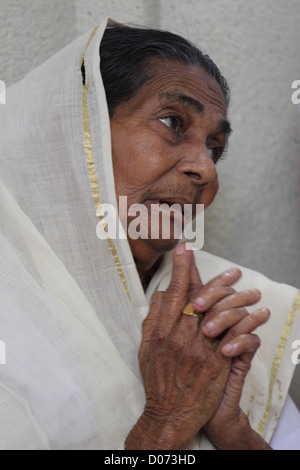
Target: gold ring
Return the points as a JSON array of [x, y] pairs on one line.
[[188, 310]]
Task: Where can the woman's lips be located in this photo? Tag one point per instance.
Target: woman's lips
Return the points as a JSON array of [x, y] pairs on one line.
[[170, 206], [171, 201], [167, 210]]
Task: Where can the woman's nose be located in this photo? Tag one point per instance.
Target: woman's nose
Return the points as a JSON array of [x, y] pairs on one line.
[[197, 164]]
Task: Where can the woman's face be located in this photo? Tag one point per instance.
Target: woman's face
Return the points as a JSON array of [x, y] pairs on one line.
[[166, 142]]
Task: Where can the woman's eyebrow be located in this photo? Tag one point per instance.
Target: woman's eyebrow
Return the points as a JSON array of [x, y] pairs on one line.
[[225, 127], [181, 98], [195, 105]]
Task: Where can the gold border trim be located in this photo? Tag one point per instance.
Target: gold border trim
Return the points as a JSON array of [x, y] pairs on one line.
[[277, 360], [88, 43], [92, 172]]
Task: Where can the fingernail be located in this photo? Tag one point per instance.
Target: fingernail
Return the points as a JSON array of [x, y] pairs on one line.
[[209, 327], [265, 310], [256, 291], [232, 272], [199, 301], [180, 249], [228, 349], [189, 246]]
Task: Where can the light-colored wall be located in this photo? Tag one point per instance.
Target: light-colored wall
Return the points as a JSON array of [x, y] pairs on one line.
[[255, 220], [30, 32]]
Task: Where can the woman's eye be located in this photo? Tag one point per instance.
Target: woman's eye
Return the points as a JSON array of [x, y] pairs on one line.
[[215, 154], [172, 122]]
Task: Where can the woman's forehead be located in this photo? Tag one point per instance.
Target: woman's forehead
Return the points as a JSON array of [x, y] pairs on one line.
[[171, 79]]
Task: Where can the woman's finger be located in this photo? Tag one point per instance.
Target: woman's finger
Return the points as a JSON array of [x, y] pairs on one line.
[[197, 289], [237, 337], [179, 285], [218, 299], [240, 366], [210, 296], [248, 324], [226, 278], [247, 343], [195, 279], [175, 297], [189, 324], [223, 321]]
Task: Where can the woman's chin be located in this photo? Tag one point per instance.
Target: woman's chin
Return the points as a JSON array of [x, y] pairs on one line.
[[161, 245]]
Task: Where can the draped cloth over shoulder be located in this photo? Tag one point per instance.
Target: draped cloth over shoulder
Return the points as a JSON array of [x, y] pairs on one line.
[[72, 305]]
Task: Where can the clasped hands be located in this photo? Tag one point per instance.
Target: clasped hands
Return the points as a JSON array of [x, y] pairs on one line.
[[194, 368]]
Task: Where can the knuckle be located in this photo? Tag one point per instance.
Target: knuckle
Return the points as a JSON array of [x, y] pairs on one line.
[[243, 312], [214, 365], [223, 293], [238, 314], [195, 352], [159, 337], [176, 345], [233, 332], [228, 291], [210, 290], [252, 317], [251, 341], [212, 312], [175, 288]]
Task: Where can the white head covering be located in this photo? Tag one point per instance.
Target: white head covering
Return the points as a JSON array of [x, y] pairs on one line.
[[71, 304]]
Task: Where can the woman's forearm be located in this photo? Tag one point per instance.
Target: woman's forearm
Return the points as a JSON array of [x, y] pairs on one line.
[[250, 441], [242, 437]]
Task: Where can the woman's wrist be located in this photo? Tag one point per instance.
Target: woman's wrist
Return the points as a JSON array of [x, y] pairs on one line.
[[243, 437], [150, 435], [156, 432], [250, 440]]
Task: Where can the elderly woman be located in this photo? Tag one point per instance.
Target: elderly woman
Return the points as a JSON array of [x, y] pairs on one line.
[[137, 342]]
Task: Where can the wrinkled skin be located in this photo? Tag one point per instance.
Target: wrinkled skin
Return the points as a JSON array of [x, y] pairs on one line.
[[191, 381], [164, 148], [166, 142]]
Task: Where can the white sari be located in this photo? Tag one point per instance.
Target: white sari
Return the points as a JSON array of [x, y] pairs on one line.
[[72, 305]]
